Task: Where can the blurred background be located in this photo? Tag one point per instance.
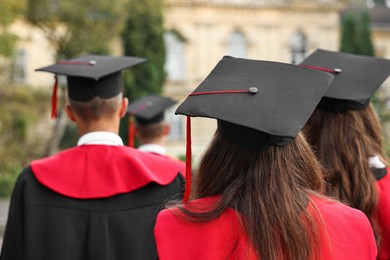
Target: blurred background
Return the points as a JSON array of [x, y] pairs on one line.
[[182, 40]]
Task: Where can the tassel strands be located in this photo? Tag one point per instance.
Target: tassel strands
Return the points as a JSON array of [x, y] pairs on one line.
[[54, 99], [187, 192]]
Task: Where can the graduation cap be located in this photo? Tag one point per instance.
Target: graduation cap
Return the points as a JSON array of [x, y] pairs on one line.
[[356, 78], [147, 110], [257, 104], [91, 76]]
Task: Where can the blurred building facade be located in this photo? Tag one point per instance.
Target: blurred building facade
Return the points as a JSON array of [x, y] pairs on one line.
[[200, 32]]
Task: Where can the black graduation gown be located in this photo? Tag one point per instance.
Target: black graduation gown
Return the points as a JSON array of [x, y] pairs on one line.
[[44, 224]]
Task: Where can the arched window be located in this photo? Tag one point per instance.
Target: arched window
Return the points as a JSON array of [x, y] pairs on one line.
[[237, 45], [175, 59], [298, 47]]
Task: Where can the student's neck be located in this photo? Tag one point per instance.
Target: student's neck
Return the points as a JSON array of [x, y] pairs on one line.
[[159, 141], [97, 127]]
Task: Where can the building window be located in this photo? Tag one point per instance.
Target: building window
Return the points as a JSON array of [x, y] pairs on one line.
[[19, 67], [176, 125], [175, 59], [298, 47], [237, 45]]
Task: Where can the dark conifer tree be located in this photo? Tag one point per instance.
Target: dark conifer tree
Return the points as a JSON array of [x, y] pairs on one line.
[[143, 36]]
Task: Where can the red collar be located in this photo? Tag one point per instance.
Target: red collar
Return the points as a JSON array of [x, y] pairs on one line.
[[100, 171]]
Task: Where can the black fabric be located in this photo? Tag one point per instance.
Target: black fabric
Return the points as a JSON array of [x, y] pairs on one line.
[[150, 109], [93, 75], [85, 89], [157, 119], [360, 76], [42, 225], [339, 106], [92, 66], [379, 173], [285, 98], [248, 138]]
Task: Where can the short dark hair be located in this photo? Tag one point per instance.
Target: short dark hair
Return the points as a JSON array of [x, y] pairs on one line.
[[96, 108], [151, 131]]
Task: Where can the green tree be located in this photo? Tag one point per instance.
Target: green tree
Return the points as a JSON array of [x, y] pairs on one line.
[[349, 34], [356, 34], [10, 10], [143, 36], [364, 42], [74, 28], [21, 108]]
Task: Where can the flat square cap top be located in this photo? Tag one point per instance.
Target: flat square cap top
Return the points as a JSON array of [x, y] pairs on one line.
[[150, 109], [93, 76], [92, 66], [271, 97], [357, 76]]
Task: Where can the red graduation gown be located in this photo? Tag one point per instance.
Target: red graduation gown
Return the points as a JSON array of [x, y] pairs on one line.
[[349, 232], [383, 214], [90, 202]]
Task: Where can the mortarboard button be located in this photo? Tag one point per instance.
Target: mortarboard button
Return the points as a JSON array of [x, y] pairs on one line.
[[253, 90]]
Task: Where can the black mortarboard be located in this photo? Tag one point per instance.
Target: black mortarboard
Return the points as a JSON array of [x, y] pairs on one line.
[[356, 78], [150, 109], [257, 104], [93, 75]]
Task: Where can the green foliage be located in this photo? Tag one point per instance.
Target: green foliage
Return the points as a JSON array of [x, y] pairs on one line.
[[8, 175], [143, 36], [348, 34], [364, 42], [7, 43], [10, 10], [356, 35], [76, 27], [20, 107]]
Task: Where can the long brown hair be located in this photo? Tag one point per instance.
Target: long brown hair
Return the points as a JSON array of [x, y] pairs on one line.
[[269, 189], [343, 142]]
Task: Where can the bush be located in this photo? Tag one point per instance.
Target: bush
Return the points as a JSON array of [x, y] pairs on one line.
[[21, 108]]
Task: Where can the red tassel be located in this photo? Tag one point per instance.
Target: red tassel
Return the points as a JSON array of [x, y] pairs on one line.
[[54, 99], [131, 131], [188, 161], [321, 68]]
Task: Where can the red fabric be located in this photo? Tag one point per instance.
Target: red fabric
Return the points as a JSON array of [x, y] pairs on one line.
[[182, 164], [383, 214], [349, 234], [131, 131], [348, 231], [319, 68], [218, 92], [187, 192], [100, 171], [221, 238], [54, 99]]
